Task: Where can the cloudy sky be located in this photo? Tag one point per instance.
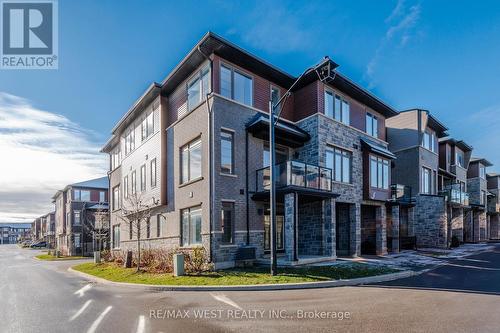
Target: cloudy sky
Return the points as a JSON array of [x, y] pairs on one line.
[[438, 55]]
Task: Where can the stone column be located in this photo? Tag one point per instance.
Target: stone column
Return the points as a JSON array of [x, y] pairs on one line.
[[381, 230], [290, 223], [330, 228], [395, 228], [355, 229], [475, 225]]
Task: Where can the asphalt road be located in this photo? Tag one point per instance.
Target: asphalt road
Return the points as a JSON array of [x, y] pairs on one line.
[[462, 296]]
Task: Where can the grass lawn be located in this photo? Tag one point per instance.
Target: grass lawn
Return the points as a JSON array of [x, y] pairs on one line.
[[50, 257], [112, 272]]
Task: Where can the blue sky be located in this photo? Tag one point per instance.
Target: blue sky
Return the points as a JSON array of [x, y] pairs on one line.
[[439, 55]]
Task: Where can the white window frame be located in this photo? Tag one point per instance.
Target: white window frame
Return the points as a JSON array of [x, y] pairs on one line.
[[143, 177], [199, 76]]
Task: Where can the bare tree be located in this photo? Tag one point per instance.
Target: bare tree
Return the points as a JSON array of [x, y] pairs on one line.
[[96, 222], [136, 213]]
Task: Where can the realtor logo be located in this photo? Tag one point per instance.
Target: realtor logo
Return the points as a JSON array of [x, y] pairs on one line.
[[29, 34]]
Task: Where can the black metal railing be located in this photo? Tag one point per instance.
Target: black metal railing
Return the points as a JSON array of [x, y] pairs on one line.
[[295, 173], [401, 193]]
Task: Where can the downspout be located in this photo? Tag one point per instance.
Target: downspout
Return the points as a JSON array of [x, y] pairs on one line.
[[246, 188], [210, 154]]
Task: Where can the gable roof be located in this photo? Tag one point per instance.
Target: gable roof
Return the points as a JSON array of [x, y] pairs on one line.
[[481, 160], [102, 182]]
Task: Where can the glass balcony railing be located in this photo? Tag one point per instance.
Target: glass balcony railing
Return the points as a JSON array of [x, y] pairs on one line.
[[455, 195], [401, 193], [295, 173]]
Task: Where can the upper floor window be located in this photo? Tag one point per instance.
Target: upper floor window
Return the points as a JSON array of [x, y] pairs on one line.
[[153, 172], [339, 161], [482, 171], [125, 187], [459, 158], [226, 154], [426, 177], [143, 178], [429, 141], [372, 125], [102, 196], [116, 157], [81, 195], [336, 107], [191, 161], [129, 142], [198, 88], [115, 198], [147, 126], [379, 172], [236, 85], [76, 218], [134, 182]]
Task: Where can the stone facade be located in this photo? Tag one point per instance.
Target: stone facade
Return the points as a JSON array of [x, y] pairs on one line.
[[457, 223], [494, 226], [431, 221]]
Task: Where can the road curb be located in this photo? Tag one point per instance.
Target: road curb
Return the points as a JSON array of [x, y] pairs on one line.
[[262, 287]]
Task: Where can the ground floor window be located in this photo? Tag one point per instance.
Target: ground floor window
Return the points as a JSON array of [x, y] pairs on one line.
[[116, 236], [227, 221], [280, 233], [191, 226]]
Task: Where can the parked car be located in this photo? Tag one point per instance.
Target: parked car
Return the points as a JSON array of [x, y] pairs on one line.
[[38, 245]]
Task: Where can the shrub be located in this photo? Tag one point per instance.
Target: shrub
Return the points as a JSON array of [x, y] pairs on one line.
[[196, 260], [118, 257], [106, 256]]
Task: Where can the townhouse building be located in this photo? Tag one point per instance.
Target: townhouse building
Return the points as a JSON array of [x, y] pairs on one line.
[[454, 158], [195, 146], [493, 217], [413, 137], [11, 233], [48, 229], [475, 217], [36, 229], [75, 207]]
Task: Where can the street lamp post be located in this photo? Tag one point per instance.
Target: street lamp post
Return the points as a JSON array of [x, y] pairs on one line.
[[323, 70]]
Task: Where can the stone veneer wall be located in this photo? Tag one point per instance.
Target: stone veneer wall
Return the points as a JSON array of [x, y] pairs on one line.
[[310, 229], [431, 221], [480, 217], [457, 223], [495, 226]]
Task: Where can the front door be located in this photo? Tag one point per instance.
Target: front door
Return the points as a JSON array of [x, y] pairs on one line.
[[280, 229], [343, 231]]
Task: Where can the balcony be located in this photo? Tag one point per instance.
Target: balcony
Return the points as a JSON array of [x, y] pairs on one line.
[[295, 174], [401, 193], [493, 206], [455, 195]]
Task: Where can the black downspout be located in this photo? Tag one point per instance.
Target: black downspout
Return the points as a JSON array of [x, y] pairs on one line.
[[246, 188]]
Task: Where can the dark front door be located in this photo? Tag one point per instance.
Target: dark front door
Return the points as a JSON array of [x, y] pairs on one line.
[[343, 229], [368, 230]]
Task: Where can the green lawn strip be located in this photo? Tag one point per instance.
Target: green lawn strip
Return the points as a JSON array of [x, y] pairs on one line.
[[248, 276], [50, 257]]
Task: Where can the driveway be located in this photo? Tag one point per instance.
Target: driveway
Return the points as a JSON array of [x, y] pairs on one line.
[[461, 296]]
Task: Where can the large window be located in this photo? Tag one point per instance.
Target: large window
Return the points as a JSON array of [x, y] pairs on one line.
[[116, 237], [143, 178], [379, 172], [459, 156], [426, 187], [226, 152], [339, 161], [129, 141], [198, 88], [102, 196], [147, 126], [482, 171], [227, 222], [191, 226], [115, 202], [336, 107], [153, 172], [191, 161], [236, 85], [76, 218], [81, 195], [116, 157], [429, 141], [134, 182], [371, 125]]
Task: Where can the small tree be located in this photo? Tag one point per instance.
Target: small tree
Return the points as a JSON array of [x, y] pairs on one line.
[[96, 222], [136, 213]]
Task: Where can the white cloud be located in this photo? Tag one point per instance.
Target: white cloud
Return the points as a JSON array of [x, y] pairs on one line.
[[396, 35], [41, 153]]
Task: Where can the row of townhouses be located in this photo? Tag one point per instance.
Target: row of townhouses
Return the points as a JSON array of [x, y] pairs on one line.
[[11, 233], [71, 227], [355, 176]]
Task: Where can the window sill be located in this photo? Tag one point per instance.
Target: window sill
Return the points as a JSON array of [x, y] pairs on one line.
[[228, 245], [232, 175], [341, 183], [191, 182]]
